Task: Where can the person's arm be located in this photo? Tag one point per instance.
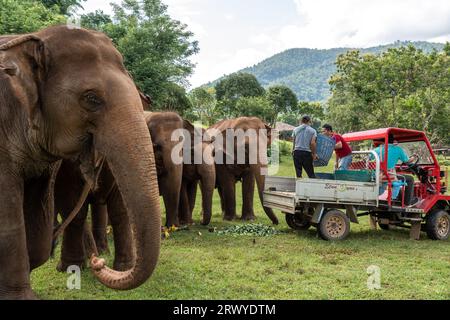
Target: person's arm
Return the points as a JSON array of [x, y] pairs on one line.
[[338, 140], [404, 157], [314, 148], [293, 141]]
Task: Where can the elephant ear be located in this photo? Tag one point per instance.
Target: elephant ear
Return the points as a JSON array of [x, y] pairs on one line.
[[24, 64], [28, 49]]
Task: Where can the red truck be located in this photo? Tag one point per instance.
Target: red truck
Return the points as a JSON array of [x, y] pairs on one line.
[[411, 196]]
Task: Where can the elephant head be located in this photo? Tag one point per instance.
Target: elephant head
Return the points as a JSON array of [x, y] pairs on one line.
[[72, 95]]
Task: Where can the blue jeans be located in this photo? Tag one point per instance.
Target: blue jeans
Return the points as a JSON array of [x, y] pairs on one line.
[[344, 163]]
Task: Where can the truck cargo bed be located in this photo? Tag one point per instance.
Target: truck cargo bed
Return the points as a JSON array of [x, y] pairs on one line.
[[286, 194]]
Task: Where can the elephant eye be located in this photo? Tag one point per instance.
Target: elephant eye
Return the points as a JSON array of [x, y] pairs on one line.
[[93, 100]]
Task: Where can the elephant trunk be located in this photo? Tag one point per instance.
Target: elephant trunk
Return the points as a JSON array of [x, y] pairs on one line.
[[260, 182], [123, 138]]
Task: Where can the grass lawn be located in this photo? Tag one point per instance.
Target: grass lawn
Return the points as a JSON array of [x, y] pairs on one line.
[[197, 264]]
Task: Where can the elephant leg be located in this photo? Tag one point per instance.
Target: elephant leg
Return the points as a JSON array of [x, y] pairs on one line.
[[192, 197], [184, 206], [260, 181], [222, 200], [170, 190], [14, 263], [207, 186], [39, 218], [72, 251], [227, 183], [124, 257], [99, 225], [248, 192]]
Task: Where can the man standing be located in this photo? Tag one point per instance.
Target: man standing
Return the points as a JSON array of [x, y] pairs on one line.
[[305, 138], [343, 150]]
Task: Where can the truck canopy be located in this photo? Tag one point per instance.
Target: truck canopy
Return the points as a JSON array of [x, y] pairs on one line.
[[402, 135]]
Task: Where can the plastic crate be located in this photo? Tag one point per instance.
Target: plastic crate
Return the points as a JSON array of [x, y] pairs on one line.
[[354, 175], [325, 148]]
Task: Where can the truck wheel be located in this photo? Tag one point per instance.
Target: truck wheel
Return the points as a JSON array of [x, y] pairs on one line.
[[384, 226], [438, 225], [297, 221], [334, 226]]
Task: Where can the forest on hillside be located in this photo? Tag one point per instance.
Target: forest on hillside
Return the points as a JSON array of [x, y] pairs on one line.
[[307, 71]]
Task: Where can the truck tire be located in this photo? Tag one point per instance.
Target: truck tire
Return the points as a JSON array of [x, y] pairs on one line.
[[297, 221], [384, 226], [334, 226], [438, 225]]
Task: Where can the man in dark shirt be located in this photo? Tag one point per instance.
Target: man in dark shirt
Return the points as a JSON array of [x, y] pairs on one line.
[[343, 150]]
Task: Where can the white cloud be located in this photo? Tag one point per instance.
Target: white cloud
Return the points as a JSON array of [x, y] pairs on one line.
[[229, 17], [233, 36], [93, 5], [365, 23]]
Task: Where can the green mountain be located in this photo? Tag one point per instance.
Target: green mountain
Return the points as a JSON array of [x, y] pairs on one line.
[[306, 71]]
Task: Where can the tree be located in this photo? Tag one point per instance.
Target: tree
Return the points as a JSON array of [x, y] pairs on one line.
[[204, 103], [239, 85], [313, 109], [282, 99], [27, 16], [65, 7], [255, 107], [402, 87], [174, 99], [95, 20], [155, 47]]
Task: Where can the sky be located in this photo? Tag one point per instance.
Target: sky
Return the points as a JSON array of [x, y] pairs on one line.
[[234, 34]]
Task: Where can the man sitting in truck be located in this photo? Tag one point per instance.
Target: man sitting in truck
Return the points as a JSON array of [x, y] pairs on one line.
[[396, 154]]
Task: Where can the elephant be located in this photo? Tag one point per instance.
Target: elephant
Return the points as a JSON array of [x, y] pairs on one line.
[[205, 173], [228, 173], [170, 173], [64, 94]]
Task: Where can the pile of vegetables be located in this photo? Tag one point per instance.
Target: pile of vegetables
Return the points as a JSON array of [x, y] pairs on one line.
[[258, 230]]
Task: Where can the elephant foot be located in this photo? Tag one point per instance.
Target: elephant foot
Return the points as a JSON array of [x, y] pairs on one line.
[[206, 222], [248, 217], [23, 294], [206, 218], [184, 223], [64, 265], [123, 265], [275, 221], [229, 218]]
